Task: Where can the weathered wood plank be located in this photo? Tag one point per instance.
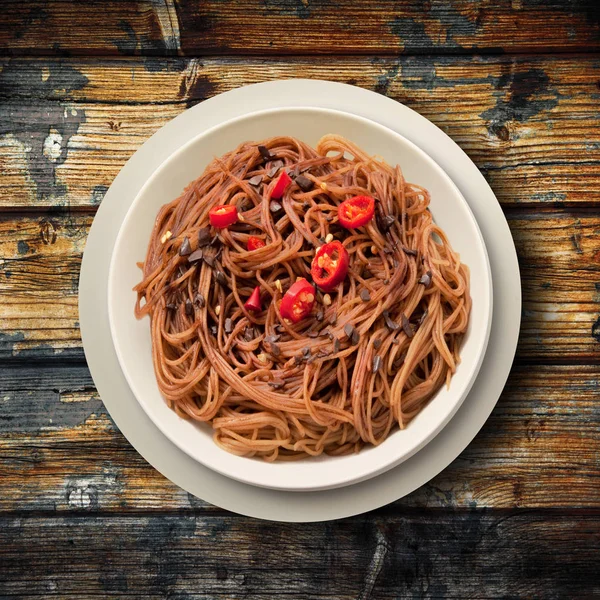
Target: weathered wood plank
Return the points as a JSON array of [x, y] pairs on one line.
[[193, 27], [441, 554], [60, 452], [558, 254], [531, 124]]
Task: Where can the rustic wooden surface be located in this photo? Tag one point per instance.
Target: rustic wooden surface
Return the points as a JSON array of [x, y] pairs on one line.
[[83, 84]]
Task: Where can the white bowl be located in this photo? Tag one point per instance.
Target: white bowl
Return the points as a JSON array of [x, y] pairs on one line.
[[132, 337]]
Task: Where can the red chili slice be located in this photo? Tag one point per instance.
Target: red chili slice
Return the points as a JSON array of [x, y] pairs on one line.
[[282, 182], [254, 303], [298, 301], [223, 216], [254, 243], [355, 212], [330, 265]]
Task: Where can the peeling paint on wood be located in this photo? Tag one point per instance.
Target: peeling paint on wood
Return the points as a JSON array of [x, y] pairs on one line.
[[528, 123]]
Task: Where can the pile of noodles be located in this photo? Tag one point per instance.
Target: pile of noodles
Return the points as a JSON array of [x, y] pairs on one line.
[[361, 363]]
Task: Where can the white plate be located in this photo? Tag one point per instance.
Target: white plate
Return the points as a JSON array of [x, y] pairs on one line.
[[132, 339], [260, 502]]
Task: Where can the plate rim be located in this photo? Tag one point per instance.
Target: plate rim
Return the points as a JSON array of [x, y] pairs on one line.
[[292, 478], [307, 506]]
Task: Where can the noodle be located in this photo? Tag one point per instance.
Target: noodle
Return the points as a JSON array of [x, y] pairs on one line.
[[362, 363]]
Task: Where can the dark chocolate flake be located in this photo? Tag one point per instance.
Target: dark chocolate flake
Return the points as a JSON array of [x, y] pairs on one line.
[[186, 247], [333, 318], [312, 334], [409, 251], [336, 345], [172, 306], [265, 153], [228, 325], [199, 300], [189, 308], [306, 351], [364, 295], [376, 363], [249, 334], [423, 316], [276, 384], [256, 180], [274, 207], [349, 330], [406, 326], [304, 183], [213, 329], [320, 315], [272, 338], [426, 279], [386, 281], [275, 349], [391, 325], [196, 256], [355, 337], [203, 237], [209, 260], [220, 278], [376, 343]]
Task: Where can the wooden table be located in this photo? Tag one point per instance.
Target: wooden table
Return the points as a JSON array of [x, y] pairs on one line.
[[83, 84]]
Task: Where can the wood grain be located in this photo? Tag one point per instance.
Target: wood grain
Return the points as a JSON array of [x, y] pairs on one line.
[[60, 451], [530, 124], [194, 27], [440, 554], [558, 253]]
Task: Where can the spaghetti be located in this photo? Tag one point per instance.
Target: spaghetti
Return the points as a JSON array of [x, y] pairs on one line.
[[359, 357]]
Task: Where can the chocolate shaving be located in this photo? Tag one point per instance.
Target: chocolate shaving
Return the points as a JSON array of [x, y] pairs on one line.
[[274, 207], [189, 308], [388, 250], [220, 277], [256, 180], [199, 300], [376, 343], [228, 325], [391, 325], [355, 337], [376, 363], [349, 330], [312, 334], [209, 260], [364, 295], [275, 349], [395, 341], [409, 251], [408, 330], [306, 351], [249, 334], [298, 360], [322, 353], [333, 318], [423, 316], [386, 281], [186, 247], [304, 183], [272, 338], [213, 329], [265, 153], [172, 306], [306, 205], [426, 279], [275, 168], [195, 256], [276, 384], [320, 315], [384, 222], [203, 237], [336, 345]]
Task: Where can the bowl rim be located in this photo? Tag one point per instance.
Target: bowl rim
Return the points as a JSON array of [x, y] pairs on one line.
[[268, 475]]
